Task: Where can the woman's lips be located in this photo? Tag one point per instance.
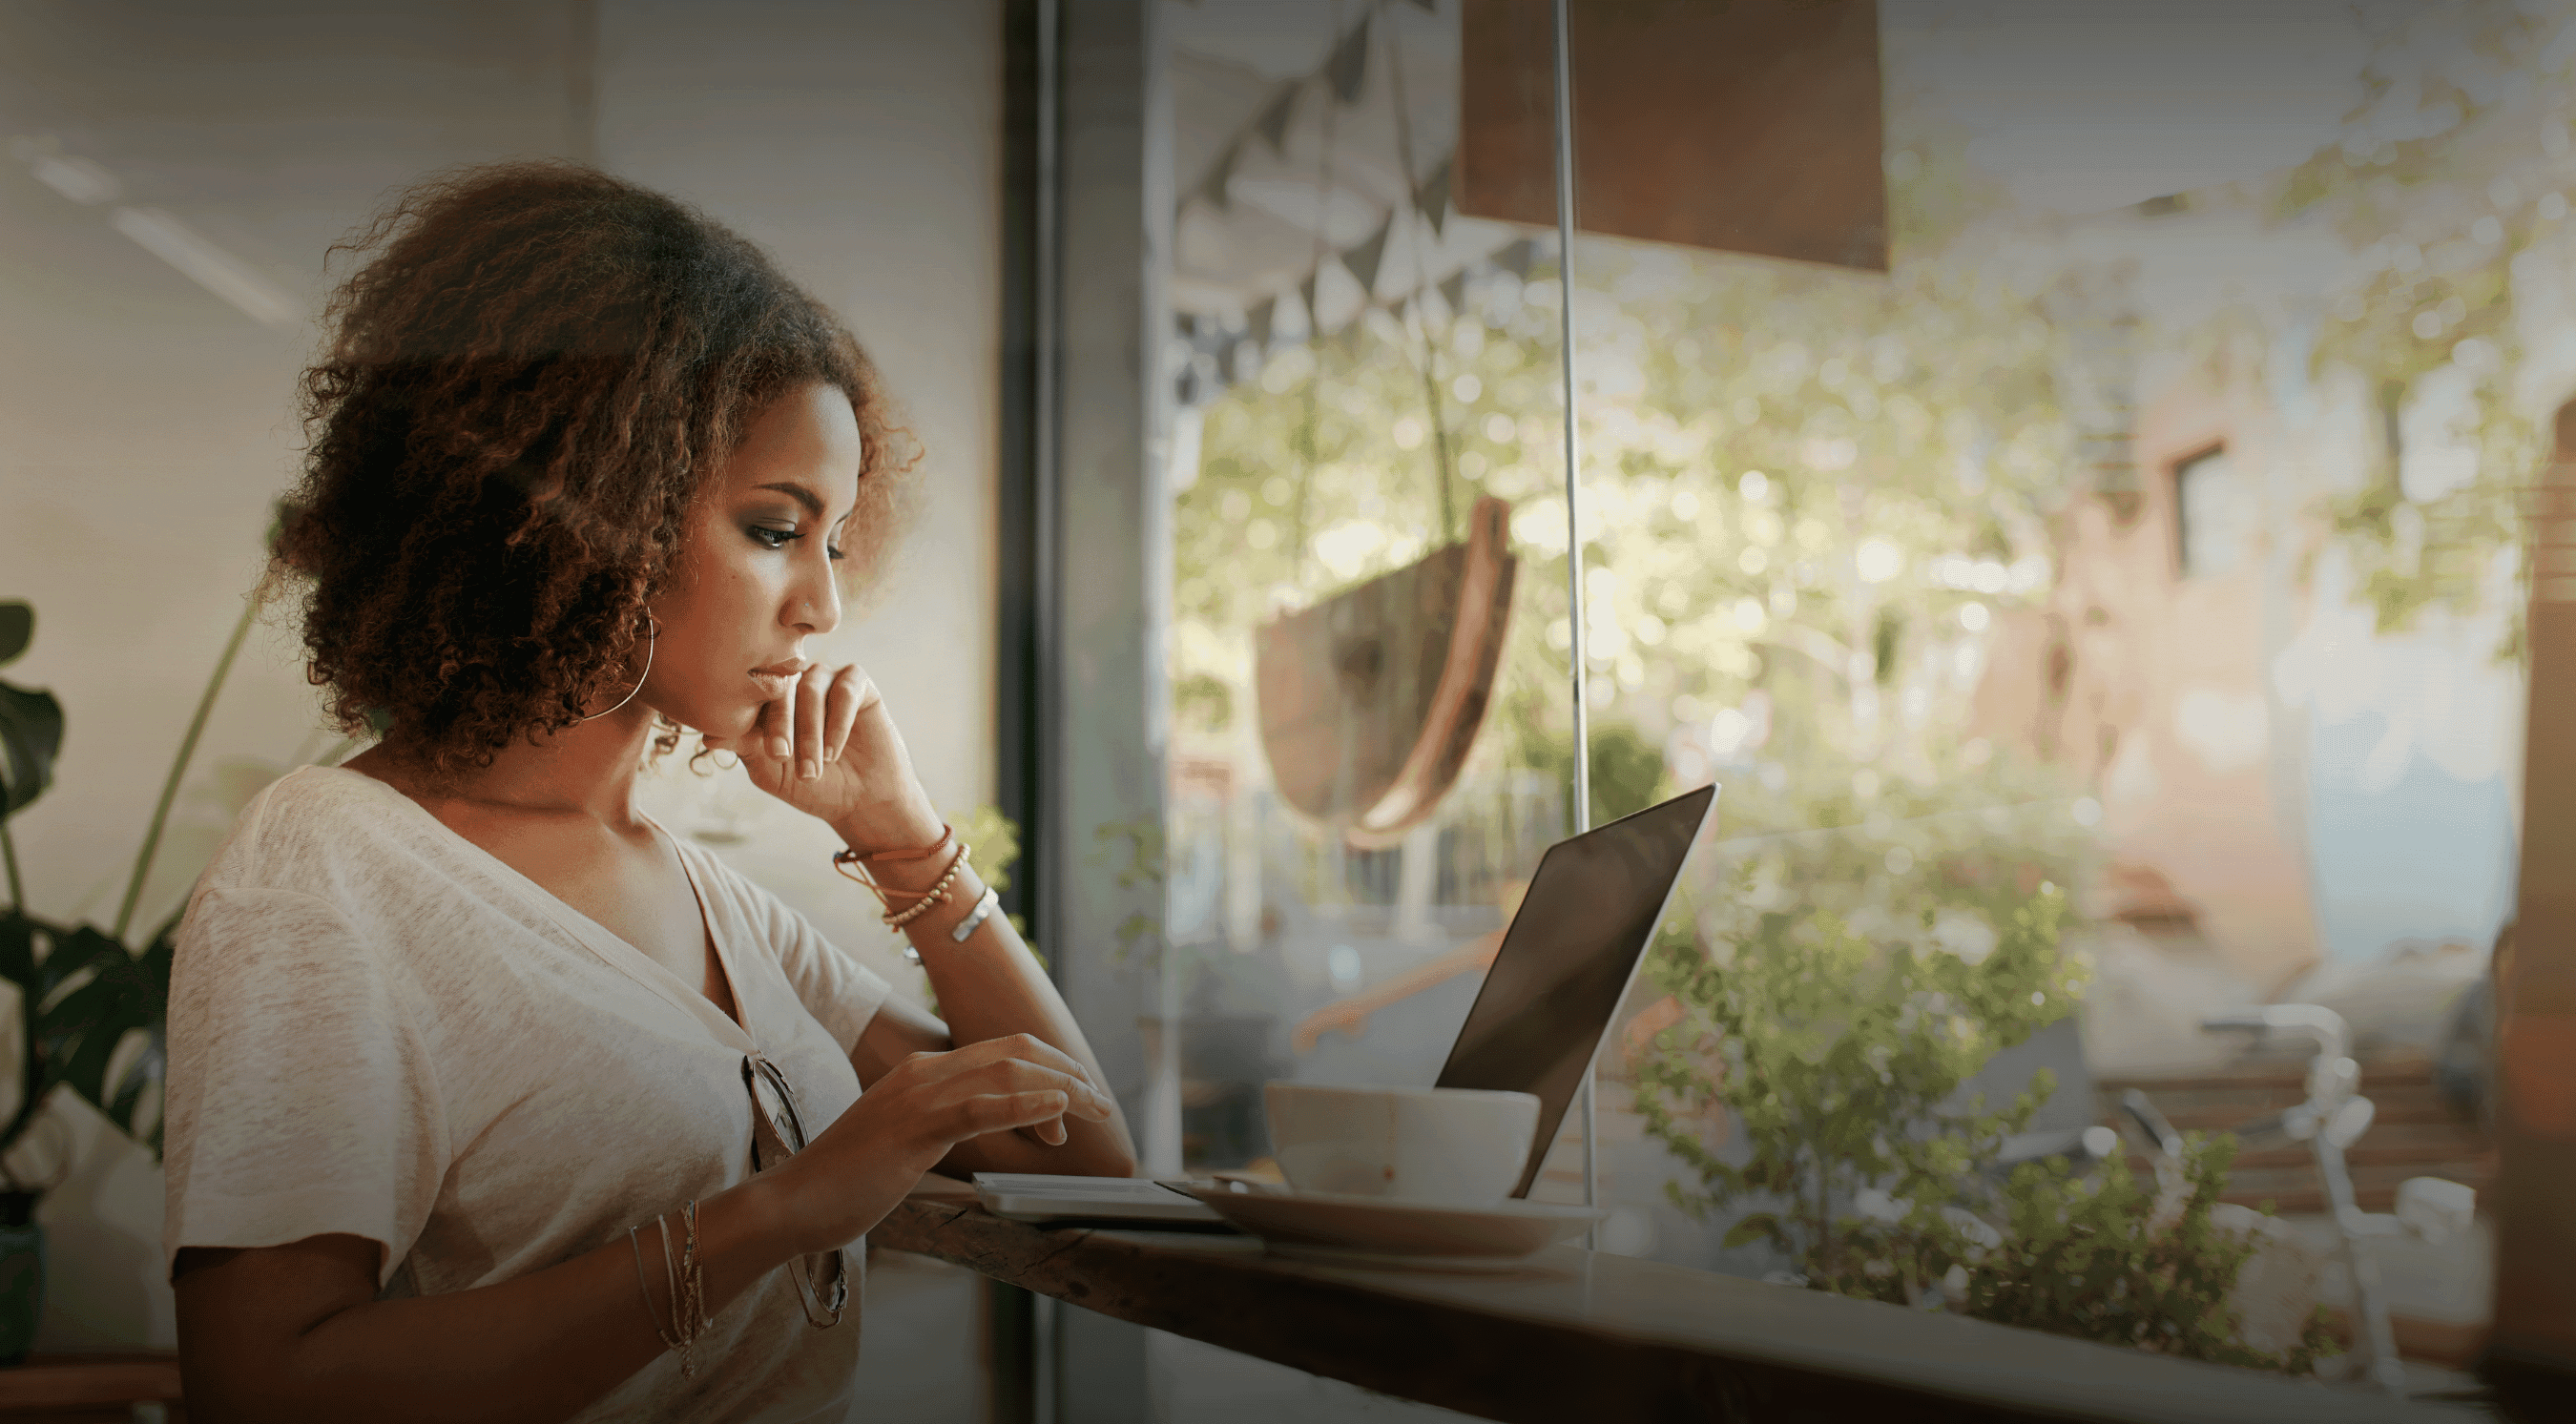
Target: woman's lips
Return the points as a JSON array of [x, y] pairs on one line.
[[777, 677]]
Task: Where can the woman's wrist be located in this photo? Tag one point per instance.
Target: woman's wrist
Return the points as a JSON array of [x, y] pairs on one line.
[[809, 1205], [933, 926], [757, 1218], [909, 824]]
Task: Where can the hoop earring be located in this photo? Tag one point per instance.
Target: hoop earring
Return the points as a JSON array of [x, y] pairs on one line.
[[652, 635]]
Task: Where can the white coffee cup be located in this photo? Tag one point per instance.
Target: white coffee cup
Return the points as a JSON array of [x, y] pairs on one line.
[[1463, 1146]]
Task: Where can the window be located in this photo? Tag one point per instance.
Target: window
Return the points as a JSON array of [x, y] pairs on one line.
[[2213, 514]]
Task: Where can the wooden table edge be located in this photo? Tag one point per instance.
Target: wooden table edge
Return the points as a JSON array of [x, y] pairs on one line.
[[1514, 1367]]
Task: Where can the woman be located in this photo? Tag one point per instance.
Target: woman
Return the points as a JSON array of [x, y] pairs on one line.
[[483, 1088]]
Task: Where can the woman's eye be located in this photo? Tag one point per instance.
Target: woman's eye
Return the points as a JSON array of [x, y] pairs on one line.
[[835, 553], [769, 538]]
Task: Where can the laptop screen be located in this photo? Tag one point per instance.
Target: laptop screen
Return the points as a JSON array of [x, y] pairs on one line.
[[1567, 958]]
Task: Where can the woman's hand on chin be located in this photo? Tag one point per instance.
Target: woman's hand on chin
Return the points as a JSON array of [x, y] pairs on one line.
[[829, 748]]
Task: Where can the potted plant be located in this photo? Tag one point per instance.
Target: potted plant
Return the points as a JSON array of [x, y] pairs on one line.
[[83, 993], [1838, 1058]]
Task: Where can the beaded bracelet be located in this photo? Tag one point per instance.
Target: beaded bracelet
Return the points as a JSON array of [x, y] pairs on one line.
[[842, 861], [936, 895]]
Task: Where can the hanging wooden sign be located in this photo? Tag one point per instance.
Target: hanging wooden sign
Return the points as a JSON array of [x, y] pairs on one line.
[[1370, 700], [1734, 125]]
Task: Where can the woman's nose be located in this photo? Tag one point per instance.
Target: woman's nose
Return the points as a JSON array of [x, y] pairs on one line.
[[815, 603]]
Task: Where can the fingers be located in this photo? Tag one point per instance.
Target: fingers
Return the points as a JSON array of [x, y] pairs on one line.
[[986, 1069], [1001, 1112], [1050, 1133], [851, 693], [810, 693], [1018, 1075], [1036, 1051], [769, 734]]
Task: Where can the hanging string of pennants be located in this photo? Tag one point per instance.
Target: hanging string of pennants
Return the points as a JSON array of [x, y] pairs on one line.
[[1222, 352], [1225, 347]]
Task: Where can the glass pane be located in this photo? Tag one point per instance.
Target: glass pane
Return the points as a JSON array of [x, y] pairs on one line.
[[1367, 656], [2075, 529], [2213, 515], [1368, 739]]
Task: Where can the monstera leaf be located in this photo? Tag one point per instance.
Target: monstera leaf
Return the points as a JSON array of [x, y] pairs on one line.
[[31, 722], [82, 1027], [81, 994]]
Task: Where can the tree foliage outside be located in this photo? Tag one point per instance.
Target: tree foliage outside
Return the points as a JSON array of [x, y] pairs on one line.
[[2107, 1259], [2452, 168]]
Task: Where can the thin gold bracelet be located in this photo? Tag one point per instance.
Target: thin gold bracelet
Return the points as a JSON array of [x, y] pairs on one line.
[[671, 1277], [646, 1290]]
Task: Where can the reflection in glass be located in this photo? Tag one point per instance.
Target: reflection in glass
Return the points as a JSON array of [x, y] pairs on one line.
[[1367, 749]]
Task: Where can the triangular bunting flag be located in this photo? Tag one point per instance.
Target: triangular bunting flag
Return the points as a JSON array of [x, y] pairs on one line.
[[1454, 291], [1257, 323], [1363, 260], [1314, 319], [1351, 338], [1432, 198], [1516, 258], [1348, 67], [1273, 123]]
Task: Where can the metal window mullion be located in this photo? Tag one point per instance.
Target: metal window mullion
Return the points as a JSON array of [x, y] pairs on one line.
[[1574, 525]]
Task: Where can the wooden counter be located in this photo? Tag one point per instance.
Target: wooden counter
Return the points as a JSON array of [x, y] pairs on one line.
[[1581, 1335], [90, 1389]]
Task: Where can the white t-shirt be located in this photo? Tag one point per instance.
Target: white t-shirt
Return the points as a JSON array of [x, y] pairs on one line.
[[378, 1028]]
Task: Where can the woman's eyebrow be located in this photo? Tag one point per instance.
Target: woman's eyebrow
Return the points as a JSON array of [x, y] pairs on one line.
[[813, 502]]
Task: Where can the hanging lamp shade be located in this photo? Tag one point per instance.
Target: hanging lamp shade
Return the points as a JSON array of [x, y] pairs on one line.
[[1370, 700]]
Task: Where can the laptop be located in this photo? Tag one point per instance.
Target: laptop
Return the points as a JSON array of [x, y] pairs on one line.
[[1536, 1025]]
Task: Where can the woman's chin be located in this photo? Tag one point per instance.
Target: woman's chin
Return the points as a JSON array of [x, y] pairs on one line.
[[726, 723]]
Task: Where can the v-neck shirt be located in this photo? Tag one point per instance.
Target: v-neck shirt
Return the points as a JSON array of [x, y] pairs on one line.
[[378, 1028]]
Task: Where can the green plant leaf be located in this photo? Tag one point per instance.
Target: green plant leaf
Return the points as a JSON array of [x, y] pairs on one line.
[[1750, 1229], [31, 735], [153, 968], [70, 952], [17, 629], [18, 949], [154, 962], [82, 1028]]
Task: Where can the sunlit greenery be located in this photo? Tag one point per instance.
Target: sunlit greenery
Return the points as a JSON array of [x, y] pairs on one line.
[[2455, 164], [1810, 483], [1809, 494]]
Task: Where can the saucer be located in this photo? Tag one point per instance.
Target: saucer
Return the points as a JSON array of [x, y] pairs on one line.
[[1347, 1228]]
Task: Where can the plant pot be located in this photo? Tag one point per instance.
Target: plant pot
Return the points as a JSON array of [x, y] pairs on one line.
[[22, 1275]]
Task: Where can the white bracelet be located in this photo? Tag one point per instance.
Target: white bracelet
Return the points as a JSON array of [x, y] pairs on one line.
[[975, 918]]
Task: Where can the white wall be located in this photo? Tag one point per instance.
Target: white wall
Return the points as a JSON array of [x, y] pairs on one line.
[[145, 424], [861, 143]]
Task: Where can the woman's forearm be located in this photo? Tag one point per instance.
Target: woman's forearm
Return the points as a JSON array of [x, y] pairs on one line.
[[991, 986], [537, 1348]]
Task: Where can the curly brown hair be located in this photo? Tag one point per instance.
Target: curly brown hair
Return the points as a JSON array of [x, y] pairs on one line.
[[526, 383]]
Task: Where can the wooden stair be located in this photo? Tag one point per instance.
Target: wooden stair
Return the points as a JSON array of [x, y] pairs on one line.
[[2413, 1133]]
